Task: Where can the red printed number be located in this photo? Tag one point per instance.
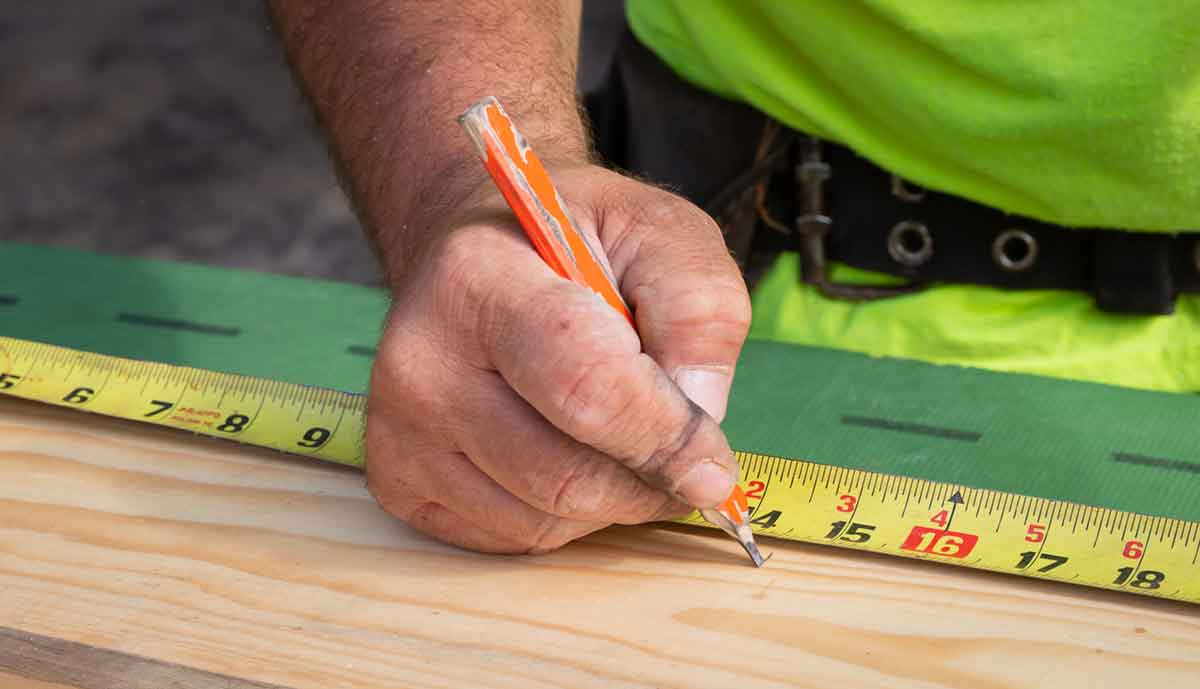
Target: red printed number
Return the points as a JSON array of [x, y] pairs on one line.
[[1036, 533], [756, 490], [937, 542], [940, 518], [1134, 549], [848, 503]]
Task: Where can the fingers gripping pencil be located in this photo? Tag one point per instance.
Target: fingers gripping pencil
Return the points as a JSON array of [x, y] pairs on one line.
[[527, 188]]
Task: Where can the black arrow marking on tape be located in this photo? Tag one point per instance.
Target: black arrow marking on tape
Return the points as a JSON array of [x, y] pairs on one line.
[[955, 501]]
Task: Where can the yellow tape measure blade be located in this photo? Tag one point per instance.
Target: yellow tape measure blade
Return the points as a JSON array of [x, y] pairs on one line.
[[790, 499]]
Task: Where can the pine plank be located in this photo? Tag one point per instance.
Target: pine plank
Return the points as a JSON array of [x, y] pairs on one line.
[[42, 661], [11, 681], [216, 558]]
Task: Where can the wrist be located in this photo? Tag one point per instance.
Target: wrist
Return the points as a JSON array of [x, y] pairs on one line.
[[457, 193]]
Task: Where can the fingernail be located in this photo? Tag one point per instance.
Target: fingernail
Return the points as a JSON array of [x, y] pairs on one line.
[[706, 486], [707, 388]]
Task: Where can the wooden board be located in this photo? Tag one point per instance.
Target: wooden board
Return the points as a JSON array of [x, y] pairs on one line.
[[139, 557]]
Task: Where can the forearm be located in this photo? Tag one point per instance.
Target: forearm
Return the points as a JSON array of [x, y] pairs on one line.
[[388, 78]]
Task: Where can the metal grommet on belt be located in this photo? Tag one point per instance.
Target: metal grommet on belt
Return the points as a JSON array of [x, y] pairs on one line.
[[1015, 250], [910, 243], [909, 193]]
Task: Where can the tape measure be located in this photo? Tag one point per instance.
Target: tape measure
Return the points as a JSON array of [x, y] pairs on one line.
[[790, 499]]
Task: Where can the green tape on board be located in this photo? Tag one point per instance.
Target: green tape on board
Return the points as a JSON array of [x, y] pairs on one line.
[[1094, 444], [310, 332]]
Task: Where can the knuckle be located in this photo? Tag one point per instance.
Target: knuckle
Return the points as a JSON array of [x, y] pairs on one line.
[[548, 537], [633, 211], [396, 471], [579, 494], [414, 385], [393, 363], [390, 481], [405, 391], [648, 213], [600, 398], [395, 496], [654, 204], [666, 209], [709, 303]]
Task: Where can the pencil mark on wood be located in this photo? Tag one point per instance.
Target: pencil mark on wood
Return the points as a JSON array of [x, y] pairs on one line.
[[905, 427]]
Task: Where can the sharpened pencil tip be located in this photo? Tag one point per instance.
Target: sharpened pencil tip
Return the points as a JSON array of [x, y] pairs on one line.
[[740, 531], [752, 550]]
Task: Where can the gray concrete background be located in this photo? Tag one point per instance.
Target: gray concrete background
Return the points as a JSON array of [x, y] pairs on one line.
[[168, 129], [173, 129]]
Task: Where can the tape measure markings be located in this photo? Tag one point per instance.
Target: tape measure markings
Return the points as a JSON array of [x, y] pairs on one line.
[[191, 399], [795, 499], [1141, 539]]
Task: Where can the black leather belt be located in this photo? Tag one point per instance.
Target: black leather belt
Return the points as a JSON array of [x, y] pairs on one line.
[[832, 205], [848, 210]]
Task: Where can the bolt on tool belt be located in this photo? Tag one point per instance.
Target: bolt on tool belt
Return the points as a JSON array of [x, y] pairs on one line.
[[873, 220], [775, 190]]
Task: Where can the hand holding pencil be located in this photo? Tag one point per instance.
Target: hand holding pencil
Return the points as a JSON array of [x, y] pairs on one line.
[[569, 252], [511, 410]]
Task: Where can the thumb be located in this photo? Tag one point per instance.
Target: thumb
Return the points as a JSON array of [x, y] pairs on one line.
[[689, 298]]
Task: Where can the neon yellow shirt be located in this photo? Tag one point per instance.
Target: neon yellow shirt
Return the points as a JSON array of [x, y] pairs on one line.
[[1079, 118]]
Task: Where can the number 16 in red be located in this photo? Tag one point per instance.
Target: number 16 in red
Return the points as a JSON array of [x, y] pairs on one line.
[[937, 542]]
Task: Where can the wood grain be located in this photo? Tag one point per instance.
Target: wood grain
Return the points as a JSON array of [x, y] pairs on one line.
[[222, 559], [43, 661], [11, 681]]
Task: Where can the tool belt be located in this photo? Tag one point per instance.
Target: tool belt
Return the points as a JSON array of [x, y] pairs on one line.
[[774, 190]]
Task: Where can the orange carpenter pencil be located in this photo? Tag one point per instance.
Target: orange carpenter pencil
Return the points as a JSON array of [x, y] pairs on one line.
[[527, 188]]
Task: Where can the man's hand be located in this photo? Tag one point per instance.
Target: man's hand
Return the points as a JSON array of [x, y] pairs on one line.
[[513, 411]]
